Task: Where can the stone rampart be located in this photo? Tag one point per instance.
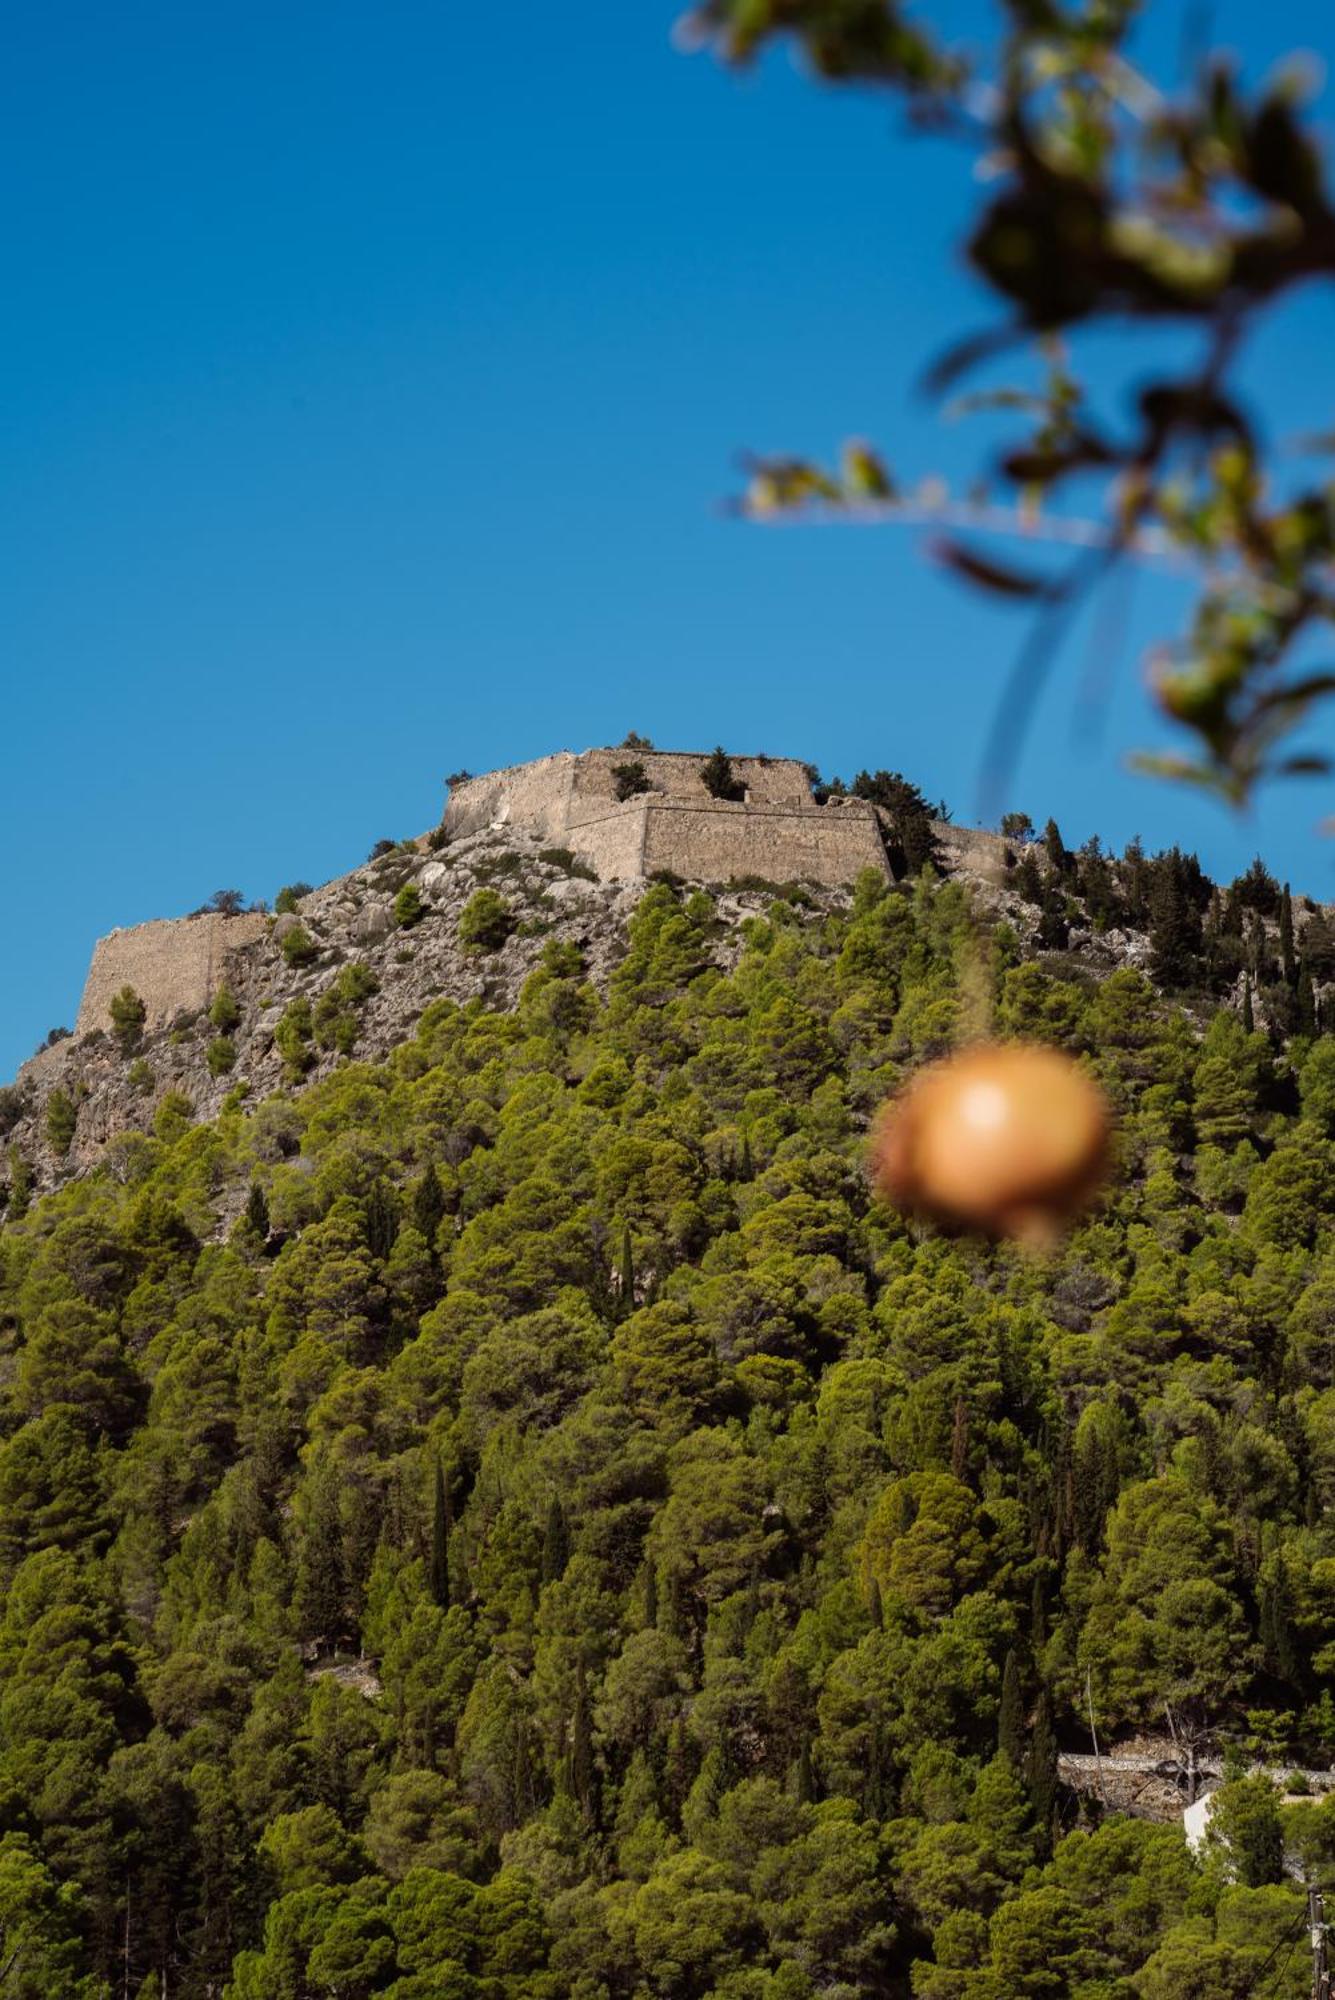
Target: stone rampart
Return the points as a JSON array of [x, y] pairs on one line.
[[717, 842], [776, 830], [173, 964]]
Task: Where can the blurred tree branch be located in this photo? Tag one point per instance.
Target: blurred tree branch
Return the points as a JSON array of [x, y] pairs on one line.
[[1109, 199]]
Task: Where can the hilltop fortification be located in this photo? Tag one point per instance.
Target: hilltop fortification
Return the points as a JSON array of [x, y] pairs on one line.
[[175, 965], [773, 829]]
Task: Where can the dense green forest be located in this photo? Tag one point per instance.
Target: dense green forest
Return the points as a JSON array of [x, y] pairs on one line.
[[568, 1538]]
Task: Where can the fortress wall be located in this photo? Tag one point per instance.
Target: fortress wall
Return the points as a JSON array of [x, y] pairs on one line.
[[718, 841], [534, 797], [676, 773], [172, 964], [612, 842], [973, 849]]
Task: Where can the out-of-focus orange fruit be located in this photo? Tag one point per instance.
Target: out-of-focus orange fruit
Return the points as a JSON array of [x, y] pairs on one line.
[[1007, 1137]]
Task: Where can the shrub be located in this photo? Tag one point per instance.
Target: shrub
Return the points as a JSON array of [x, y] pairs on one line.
[[335, 1020], [485, 921], [140, 1077], [128, 1014], [173, 1116], [53, 1035], [292, 1039], [381, 849], [632, 740], [13, 1106], [61, 1118], [226, 902], [299, 947], [409, 909], [285, 902], [220, 1055], [629, 779], [437, 838], [225, 1011]]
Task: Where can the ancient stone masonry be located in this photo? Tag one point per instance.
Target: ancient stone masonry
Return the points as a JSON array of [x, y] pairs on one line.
[[775, 830], [175, 965]]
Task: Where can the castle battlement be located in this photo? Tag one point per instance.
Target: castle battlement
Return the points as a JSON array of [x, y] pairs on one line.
[[776, 830]]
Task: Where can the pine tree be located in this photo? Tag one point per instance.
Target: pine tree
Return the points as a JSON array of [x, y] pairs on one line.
[[441, 1523], [428, 1209], [1175, 923], [650, 1595], [1054, 930], [1011, 1732], [555, 1542]]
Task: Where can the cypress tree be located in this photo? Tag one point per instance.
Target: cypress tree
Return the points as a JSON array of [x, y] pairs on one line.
[[626, 1271], [959, 1440], [428, 1209], [875, 1608], [381, 1214], [441, 1524], [555, 1542], [746, 1168], [1248, 1011], [1010, 1716], [583, 1776], [1041, 1771], [650, 1595], [1307, 1019], [805, 1781], [1287, 956], [257, 1212], [1038, 1618], [1056, 848]]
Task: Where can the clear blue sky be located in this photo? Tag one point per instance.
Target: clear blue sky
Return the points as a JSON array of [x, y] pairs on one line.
[[370, 378]]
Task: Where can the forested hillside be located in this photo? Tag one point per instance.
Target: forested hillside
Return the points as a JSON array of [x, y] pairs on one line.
[[569, 1539]]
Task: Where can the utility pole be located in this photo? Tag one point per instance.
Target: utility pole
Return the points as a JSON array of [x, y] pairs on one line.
[[1316, 1923]]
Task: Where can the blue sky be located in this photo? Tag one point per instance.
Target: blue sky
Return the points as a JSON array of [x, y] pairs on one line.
[[371, 377]]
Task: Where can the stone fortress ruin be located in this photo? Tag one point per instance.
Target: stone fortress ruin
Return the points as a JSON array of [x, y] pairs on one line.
[[774, 828], [628, 814]]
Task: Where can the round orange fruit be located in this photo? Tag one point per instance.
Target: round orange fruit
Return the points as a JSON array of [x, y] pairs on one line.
[[1008, 1137]]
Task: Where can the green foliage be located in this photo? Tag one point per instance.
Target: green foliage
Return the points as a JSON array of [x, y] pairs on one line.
[[717, 776], [521, 1520], [293, 1037], [409, 909], [299, 947], [61, 1119], [485, 921], [220, 1055], [128, 1014], [629, 779], [225, 1010], [288, 897]]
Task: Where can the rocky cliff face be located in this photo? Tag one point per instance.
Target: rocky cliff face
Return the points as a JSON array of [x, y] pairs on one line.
[[366, 981]]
